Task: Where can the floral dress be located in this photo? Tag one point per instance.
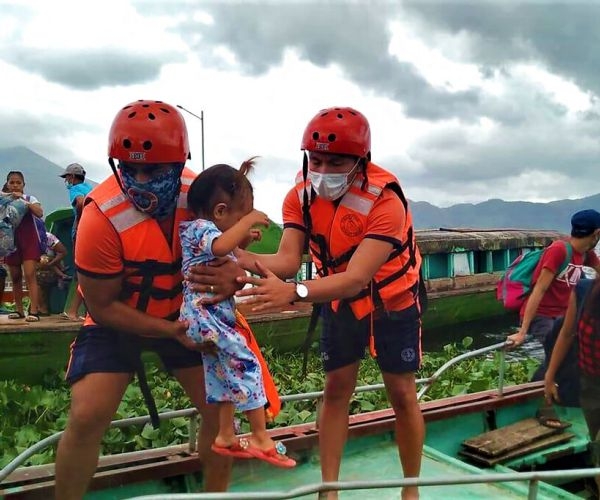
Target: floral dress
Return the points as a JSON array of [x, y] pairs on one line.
[[233, 373]]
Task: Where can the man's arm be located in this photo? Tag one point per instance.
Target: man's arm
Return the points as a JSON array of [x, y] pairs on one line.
[[270, 292], [285, 263], [533, 302], [102, 301]]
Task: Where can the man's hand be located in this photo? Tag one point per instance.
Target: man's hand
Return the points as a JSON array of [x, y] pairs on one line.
[[218, 277], [268, 292], [179, 333], [517, 338]]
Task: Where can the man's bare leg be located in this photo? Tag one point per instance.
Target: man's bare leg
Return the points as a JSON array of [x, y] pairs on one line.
[[217, 468], [333, 423], [410, 426], [94, 401]]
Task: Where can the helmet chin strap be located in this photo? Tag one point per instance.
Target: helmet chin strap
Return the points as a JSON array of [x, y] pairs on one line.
[[111, 162]]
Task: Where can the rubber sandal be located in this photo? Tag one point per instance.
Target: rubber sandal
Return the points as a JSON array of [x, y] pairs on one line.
[[16, 315], [66, 317], [275, 456], [547, 417], [236, 450], [32, 318]]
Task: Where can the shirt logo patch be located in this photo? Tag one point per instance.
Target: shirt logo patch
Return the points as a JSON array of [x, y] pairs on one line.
[[351, 225], [137, 155]]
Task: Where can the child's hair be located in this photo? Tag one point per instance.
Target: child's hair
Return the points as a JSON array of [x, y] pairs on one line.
[[15, 172], [220, 183], [5, 188]]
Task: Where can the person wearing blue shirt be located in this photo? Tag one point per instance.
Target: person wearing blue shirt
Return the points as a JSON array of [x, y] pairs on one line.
[[74, 176]]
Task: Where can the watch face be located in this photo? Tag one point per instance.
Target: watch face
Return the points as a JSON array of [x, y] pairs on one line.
[[301, 290]]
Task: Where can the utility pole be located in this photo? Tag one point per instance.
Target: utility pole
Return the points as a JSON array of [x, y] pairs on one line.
[[201, 118]]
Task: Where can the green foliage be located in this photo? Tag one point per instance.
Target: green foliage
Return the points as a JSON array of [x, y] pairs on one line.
[[30, 414]]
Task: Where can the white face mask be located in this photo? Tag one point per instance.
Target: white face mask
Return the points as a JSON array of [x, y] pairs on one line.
[[332, 186]]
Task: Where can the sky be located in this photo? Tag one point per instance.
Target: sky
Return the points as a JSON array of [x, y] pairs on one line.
[[467, 101]]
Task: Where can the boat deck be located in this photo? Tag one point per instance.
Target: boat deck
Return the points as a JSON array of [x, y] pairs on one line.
[[366, 462]]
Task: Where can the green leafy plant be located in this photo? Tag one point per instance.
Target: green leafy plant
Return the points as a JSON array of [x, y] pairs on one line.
[[30, 414]]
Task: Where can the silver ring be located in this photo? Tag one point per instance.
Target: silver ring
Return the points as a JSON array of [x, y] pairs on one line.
[[212, 288]]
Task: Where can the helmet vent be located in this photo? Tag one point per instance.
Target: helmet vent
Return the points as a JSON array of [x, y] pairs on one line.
[[340, 116], [331, 137], [315, 136], [164, 110], [126, 143], [353, 113], [145, 105], [151, 116], [131, 115], [147, 145]]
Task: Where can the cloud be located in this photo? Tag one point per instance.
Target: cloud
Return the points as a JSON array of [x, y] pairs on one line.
[[91, 69]]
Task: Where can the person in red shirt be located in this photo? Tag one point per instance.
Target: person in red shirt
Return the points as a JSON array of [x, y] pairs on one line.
[[361, 239], [550, 295]]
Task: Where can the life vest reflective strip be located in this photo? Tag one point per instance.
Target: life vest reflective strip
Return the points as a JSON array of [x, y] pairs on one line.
[[152, 269], [338, 230]]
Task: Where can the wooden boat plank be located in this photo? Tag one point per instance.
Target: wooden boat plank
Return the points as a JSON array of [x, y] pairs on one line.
[[540, 444], [501, 441]]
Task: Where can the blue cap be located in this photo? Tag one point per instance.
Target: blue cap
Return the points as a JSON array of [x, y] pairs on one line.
[[585, 222]]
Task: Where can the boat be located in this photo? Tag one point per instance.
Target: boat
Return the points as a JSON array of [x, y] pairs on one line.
[[537, 462], [460, 269]]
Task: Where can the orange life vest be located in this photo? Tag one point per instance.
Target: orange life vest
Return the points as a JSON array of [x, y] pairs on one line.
[[152, 275], [336, 230]]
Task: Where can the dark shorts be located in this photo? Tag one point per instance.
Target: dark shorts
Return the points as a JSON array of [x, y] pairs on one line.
[[344, 340], [26, 242], [3, 272], [99, 350]]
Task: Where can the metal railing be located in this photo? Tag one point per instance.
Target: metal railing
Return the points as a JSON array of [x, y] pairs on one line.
[[192, 412], [532, 477]]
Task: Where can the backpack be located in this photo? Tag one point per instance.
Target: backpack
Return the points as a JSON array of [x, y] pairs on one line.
[[516, 283]]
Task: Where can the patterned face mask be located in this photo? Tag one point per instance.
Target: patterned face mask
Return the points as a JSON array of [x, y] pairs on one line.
[[156, 197]]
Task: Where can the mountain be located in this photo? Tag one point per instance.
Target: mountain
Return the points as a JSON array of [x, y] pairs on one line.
[[41, 176], [43, 181], [502, 214]]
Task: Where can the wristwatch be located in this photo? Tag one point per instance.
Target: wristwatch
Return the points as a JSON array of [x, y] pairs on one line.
[[301, 290]]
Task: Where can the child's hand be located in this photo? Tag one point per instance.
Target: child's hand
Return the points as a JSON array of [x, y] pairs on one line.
[[253, 235], [256, 218]]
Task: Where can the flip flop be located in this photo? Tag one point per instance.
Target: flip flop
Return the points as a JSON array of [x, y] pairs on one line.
[[236, 449], [16, 315], [32, 318], [547, 417], [275, 456]]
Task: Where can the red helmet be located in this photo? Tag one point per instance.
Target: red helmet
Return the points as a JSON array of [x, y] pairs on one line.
[[338, 130], [149, 132]]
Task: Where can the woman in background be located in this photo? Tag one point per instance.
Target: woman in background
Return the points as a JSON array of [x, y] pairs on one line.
[[23, 261]]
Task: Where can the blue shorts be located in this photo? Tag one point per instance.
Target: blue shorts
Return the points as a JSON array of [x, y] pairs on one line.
[[344, 340], [98, 349]]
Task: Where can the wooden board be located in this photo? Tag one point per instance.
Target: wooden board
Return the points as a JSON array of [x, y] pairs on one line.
[[540, 444], [501, 441]]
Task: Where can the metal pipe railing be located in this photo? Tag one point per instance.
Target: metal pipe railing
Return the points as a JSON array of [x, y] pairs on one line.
[[532, 477], [191, 412]]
